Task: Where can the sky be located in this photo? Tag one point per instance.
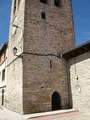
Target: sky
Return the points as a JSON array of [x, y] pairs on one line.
[[5, 6], [81, 17]]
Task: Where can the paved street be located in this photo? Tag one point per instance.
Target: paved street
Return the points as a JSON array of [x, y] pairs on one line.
[[9, 115], [6, 114]]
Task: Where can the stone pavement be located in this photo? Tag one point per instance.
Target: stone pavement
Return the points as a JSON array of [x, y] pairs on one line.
[[74, 115], [6, 114]]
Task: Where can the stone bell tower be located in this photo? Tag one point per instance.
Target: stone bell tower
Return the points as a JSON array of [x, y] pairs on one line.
[[40, 29]]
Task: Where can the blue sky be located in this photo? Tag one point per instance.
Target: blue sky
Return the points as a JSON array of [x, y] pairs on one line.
[[81, 15], [4, 19]]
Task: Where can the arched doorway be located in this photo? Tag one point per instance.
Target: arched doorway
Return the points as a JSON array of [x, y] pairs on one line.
[[56, 101]]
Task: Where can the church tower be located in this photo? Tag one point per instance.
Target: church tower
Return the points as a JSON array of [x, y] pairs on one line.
[[40, 31]]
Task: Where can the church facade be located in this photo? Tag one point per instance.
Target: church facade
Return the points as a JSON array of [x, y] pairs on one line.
[[42, 69]]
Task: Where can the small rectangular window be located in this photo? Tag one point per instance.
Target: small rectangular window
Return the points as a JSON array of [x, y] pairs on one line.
[[18, 2], [43, 15], [3, 97], [57, 3], [44, 1], [3, 75], [15, 6], [0, 76]]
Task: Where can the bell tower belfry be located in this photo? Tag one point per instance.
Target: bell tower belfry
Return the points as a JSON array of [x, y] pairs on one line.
[[48, 26], [40, 29]]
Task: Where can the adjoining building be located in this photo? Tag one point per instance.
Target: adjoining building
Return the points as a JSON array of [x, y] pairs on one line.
[[43, 69], [78, 61]]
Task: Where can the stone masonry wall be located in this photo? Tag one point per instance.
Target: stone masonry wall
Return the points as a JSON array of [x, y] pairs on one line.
[[41, 81], [14, 67], [45, 36], [80, 66], [14, 86], [31, 34], [52, 35], [16, 33]]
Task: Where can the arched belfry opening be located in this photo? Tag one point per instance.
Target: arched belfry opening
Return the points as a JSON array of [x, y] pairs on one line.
[[56, 101]]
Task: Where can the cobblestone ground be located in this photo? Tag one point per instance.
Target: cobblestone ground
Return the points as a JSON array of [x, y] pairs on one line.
[[9, 115]]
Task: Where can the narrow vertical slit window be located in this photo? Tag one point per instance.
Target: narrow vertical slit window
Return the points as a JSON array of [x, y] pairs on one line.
[[3, 97], [0, 76], [3, 75], [43, 15], [44, 1], [18, 2], [15, 6], [57, 3], [50, 64]]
